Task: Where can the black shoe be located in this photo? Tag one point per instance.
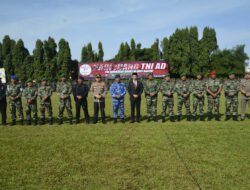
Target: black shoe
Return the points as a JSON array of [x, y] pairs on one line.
[[172, 118], [60, 121], [115, 120], [178, 118], [42, 122], [70, 122], [209, 117], [138, 120], [235, 118], [202, 118], [163, 119], [35, 122], [155, 119], [148, 120], [13, 123], [194, 118], [87, 121], [227, 118], [103, 121], [21, 122], [51, 122], [217, 118], [77, 121], [188, 118], [3, 123], [132, 121], [123, 120]]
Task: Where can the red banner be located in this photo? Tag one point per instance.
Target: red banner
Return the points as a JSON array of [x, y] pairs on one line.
[[125, 69]]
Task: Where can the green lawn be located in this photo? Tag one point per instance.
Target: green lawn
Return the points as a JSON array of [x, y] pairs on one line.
[[184, 155]]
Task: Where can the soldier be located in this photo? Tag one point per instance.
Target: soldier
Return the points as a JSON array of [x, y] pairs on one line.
[[231, 89], [213, 88], [151, 91], [199, 91], [14, 92], [3, 103], [167, 90], [45, 93], [64, 89], [80, 92], [135, 89], [183, 89], [118, 91], [245, 95], [30, 94], [99, 91]]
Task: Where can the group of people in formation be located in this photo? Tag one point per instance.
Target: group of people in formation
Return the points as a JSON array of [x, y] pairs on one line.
[[198, 90]]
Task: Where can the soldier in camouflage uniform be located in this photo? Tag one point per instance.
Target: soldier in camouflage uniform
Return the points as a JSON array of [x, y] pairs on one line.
[[30, 94], [151, 89], [245, 95], [199, 91], [14, 92], [213, 88], [64, 89], [183, 89], [45, 93], [167, 90], [231, 89]]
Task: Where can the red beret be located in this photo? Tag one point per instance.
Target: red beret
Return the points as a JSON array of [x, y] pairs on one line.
[[213, 72]]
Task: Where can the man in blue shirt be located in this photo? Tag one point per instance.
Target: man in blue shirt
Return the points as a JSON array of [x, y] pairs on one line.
[[118, 91]]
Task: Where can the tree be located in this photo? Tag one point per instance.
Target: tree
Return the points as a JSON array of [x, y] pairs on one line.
[[38, 56], [155, 51], [100, 52], [133, 52], [84, 54]]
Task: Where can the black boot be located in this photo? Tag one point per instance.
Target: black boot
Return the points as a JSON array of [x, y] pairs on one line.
[[70, 122], [202, 118], [42, 122], [115, 120], [123, 120], [148, 120], [178, 118], [13, 122], [188, 118], [103, 121], [155, 119], [77, 121], [217, 118], [51, 122], [194, 118], [94, 121], [172, 118], [227, 117], [163, 119], [87, 121], [235, 118], [209, 117], [35, 122], [60, 121], [21, 122]]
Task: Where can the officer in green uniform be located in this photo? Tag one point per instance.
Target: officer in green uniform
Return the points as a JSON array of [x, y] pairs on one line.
[[183, 89], [14, 93], [151, 89], [199, 91], [231, 89], [213, 88], [167, 89], [64, 89], [30, 94], [45, 93]]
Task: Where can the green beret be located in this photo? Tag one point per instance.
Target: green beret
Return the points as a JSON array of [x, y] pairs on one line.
[[150, 74], [231, 73], [63, 76], [167, 75], [44, 79], [183, 75], [29, 80]]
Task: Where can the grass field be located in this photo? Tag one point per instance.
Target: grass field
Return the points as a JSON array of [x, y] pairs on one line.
[[184, 155]]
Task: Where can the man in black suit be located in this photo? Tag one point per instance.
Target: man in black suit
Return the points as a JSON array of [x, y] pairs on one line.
[[3, 104], [80, 92], [135, 89]]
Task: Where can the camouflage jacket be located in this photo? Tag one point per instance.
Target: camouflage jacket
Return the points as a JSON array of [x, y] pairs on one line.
[[231, 87], [45, 91], [151, 86], [30, 93], [64, 89], [199, 88], [167, 87], [183, 87], [14, 91], [213, 85]]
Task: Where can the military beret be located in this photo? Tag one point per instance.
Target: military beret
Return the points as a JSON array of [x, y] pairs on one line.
[[98, 76], [44, 79], [13, 77], [183, 74], [150, 74], [213, 72], [29, 80], [167, 75], [231, 73], [63, 76], [117, 76]]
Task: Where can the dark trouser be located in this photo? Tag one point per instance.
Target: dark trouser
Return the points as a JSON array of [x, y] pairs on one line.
[[84, 104], [3, 106], [135, 105], [97, 106]]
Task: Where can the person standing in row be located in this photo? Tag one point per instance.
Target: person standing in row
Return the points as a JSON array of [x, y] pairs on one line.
[[45, 93], [80, 92], [183, 89], [151, 91], [231, 89], [14, 93], [245, 95], [64, 89], [199, 91], [167, 89], [30, 94], [3, 103], [135, 89], [99, 91], [118, 91], [213, 87]]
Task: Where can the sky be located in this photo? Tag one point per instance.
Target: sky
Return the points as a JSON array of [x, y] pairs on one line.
[[112, 22]]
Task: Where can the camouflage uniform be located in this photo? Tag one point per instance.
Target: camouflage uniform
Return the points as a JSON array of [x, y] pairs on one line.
[[45, 92], [199, 91], [213, 102], [231, 89], [14, 91], [167, 90], [183, 88], [151, 86], [64, 89], [30, 94]]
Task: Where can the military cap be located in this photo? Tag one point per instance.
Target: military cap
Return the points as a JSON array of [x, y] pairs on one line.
[[98, 76], [29, 80], [14, 77], [117, 76], [150, 74]]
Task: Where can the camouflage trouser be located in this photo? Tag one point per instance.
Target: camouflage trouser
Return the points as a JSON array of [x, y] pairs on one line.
[[31, 108], [16, 105], [213, 103], [62, 104], [167, 102], [198, 102], [43, 107], [151, 106], [232, 102], [180, 101]]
